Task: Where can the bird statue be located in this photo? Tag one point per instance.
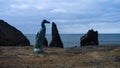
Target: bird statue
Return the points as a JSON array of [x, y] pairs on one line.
[[40, 38]]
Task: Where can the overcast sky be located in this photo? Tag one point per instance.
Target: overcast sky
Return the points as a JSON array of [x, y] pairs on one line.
[[71, 16]]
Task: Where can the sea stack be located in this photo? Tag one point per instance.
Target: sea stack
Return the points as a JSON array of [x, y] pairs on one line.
[[56, 40], [10, 36], [90, 38]]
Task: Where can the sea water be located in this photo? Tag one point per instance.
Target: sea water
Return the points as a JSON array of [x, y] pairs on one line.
[[71, 40]]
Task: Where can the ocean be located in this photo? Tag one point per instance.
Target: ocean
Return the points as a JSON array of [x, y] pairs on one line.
[[71, 40]]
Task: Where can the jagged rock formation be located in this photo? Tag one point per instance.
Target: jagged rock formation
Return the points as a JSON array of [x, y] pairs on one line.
[[10, 36], [91, 38], [45, 43], [56, 40]]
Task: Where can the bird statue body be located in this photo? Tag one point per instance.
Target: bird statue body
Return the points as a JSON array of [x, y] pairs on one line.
[[40, 37]]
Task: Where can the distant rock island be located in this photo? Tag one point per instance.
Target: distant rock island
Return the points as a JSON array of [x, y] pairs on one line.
[[10, 36], [90, 38]]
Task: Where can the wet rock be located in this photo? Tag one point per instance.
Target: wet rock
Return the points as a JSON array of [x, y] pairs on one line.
[[91, 38], [56, 40], [10, 36]]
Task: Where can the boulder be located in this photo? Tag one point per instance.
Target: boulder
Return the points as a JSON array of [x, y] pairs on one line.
[[56, 40], [90, 38], [10, 36]]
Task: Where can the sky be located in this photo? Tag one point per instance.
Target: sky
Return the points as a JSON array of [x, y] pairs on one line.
[[71, 16]]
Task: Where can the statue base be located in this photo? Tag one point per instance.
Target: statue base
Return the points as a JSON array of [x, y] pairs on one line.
[[39, 50]]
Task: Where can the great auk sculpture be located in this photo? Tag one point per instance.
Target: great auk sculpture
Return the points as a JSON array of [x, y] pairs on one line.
[[40, 37]]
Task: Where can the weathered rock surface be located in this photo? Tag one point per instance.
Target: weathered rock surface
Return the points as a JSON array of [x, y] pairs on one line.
[[10, 36], [91, 38], [45, 43], [56, 40]]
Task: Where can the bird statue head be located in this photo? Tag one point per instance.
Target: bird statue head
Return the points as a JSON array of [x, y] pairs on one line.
[[45, 21]]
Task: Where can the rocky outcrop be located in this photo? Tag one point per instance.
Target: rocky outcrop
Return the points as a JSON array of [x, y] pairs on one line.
[[10, 36], [45, 43], [91, 38], [56, 40]]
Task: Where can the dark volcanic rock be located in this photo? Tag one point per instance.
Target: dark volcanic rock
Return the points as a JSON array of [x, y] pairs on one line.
[[91, 38], [45, 43], [56, 40], [10, 36]]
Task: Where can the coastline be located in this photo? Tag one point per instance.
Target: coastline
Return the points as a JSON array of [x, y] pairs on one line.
[[71, 40], [90, 56]]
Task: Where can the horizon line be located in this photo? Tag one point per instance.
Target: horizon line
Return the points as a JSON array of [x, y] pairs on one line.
[[74, 33]]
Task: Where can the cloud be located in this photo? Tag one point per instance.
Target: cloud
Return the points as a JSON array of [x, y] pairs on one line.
[[22, 6], [83, 28], [71, 16], [59, 11]]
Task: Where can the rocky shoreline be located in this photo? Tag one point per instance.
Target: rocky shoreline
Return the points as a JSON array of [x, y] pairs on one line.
[[74, 57]]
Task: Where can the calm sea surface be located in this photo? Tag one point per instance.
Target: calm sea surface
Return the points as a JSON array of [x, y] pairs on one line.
[[71, 40]]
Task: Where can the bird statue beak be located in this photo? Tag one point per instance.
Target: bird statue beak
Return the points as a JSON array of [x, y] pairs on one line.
[[48, 22], [45, 21]]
